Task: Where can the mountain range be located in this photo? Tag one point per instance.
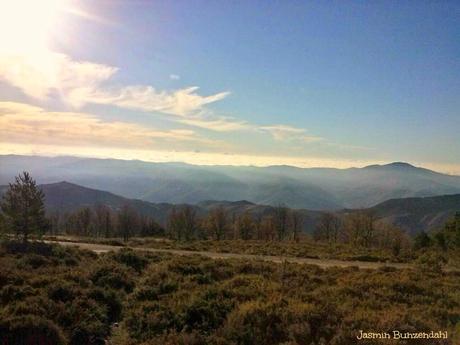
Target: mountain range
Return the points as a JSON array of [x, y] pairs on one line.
[[306, 188], [411, 214]]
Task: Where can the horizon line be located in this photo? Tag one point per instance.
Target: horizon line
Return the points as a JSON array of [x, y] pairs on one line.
[[379, 163]]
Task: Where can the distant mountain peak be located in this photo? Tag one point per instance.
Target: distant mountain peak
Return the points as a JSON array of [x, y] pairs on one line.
[[64, 184], [401, 165], [394, 165]]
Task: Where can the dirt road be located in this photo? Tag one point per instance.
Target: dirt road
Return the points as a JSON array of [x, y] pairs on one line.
[[101, 248]]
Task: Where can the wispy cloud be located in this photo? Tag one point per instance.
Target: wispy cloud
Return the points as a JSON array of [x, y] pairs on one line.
[[216, 123], [46, 74], [22, 123], [174, 76], [182, 102], [288, 133]]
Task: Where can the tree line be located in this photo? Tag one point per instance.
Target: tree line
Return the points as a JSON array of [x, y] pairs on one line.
[[104, 222], [23, 214], [281, 224], [360, 229]]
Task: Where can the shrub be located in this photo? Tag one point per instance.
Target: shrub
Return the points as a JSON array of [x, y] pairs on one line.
[[131, 259], [110, 299], [431, 262], [30, 330], [113, 276]]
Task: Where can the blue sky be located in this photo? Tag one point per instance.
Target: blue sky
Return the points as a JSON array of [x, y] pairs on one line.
[[338, 84]]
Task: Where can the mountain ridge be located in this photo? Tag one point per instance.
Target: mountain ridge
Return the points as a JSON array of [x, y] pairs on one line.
[[410, 214], [309, 188]]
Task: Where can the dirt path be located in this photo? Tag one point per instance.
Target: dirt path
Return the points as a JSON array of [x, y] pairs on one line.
[[101, 248]]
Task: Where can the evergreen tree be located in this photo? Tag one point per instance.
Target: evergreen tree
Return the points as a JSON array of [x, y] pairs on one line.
[[23, 207]]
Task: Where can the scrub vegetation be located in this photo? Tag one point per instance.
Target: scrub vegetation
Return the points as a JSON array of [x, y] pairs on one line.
[[70, 296], [50, 294]]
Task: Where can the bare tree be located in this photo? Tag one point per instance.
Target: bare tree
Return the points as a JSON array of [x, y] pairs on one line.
[[190, 222], [84, 221], [183, 223], [280, 221], [173, 227], [360, 228], [103, 219], [327, 228], [127, 222], [268, 228], [245, 226], [217, 223], [296, 223]]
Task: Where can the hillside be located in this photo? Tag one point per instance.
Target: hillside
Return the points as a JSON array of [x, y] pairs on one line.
[[411, 214], [314, 188], [69, 197], [418, 214]]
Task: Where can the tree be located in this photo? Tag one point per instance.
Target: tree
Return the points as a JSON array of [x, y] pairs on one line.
[[422, 240], [128, 221], [23, 207], [174, 226], [149, 227], [296, 223], [392, 238], [84, 221], [328, 227], [190, 222], [267, 228], [281, 219], [245, 226], [183, 223], [216, 223], [451, 231], [54, 222], [103, 219], [360, 228]]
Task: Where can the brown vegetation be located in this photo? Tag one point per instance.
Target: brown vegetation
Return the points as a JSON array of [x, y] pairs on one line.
[[68, 296]]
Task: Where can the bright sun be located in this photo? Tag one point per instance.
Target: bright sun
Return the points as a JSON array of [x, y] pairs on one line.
[[25, 24]]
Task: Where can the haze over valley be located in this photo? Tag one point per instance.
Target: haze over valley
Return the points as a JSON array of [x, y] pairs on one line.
[[413, 198], [314, 188]]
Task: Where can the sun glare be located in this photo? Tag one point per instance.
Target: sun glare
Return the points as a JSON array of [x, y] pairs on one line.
[[25, 24]]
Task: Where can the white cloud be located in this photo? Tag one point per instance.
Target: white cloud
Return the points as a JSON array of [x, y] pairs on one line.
[[22, 123], [183, 102], [288, 133], [174, 77], [216, 123], [43, 73]]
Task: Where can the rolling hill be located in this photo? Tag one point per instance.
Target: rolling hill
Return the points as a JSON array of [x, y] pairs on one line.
[[411, 214], [418, 214], [314, 188], [68, 197]]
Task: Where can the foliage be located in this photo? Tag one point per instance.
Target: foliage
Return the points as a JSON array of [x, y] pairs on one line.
[[23, 208], [165, 299]]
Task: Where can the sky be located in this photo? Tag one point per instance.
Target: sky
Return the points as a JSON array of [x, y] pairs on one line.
[[304, 83]]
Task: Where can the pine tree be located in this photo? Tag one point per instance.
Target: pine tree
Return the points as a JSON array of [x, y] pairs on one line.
[[23, 207]]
